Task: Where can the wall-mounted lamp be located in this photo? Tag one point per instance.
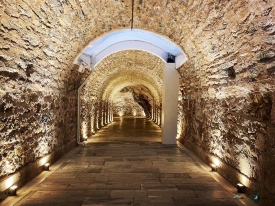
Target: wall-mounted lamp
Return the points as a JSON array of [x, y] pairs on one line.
[[240, 188], [12, 190], [47, 166]]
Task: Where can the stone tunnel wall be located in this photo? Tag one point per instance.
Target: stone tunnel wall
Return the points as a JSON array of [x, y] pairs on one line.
[[228, 101], [39, 41]]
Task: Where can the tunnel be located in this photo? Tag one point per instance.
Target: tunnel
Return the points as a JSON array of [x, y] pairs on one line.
[[201, 73]]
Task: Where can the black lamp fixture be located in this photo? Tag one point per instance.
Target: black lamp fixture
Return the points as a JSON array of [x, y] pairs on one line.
[[12, 190], [47, 166], [214, 167], [240, 188], [171, 58]]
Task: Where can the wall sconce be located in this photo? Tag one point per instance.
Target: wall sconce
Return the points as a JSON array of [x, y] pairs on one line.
[[214, 167], [12, 190], [240, 188], [47, 166]]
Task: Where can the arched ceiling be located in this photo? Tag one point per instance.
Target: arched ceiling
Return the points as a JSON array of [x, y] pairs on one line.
[[122, 69], [134, 100], [128, 39], [105, 41]]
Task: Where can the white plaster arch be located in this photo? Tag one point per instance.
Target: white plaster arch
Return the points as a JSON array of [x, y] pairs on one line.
[[127, 39]]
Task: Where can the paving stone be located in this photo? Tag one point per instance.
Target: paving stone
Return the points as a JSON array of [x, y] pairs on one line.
[[163, 201], [107, 202], [158, 186], [188, 193], [203, 201], [129, 193], [127, 173]]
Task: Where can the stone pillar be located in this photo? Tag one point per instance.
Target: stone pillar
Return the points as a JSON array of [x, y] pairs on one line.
[[106, 112], [109, 113], [92, 118], [102, 114], [112, 112], [99, 106], [96, 116], [159, 114], [154, 111], [170, 104]]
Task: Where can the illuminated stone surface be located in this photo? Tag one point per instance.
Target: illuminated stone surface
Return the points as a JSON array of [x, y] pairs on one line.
[[230, 118], [125, 164], [130, 81]]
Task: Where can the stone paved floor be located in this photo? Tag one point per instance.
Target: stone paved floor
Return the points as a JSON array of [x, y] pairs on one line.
[[125, 164]]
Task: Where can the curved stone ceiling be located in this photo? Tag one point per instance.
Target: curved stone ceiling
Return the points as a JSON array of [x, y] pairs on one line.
[[122, 69]]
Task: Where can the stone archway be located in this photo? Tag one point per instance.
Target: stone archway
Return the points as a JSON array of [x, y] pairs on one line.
[[130, 40], [38, 90]]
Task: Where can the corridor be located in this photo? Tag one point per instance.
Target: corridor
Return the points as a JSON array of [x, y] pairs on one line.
[[125, 164]]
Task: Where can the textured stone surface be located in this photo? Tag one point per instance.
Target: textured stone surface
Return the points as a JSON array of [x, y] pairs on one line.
[[133, 101], [130, 82], [231, 118], [125, 164]]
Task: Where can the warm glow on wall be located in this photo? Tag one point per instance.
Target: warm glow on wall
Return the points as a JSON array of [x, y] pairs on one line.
[[8, 167], [245, 167], [244, 180], [84, 130], [216, 161], [43, 148], [44, 160], [143, 114], [10, 181]]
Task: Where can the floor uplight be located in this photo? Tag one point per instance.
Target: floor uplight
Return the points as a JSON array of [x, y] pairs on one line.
[[240, 188], [12, 190]]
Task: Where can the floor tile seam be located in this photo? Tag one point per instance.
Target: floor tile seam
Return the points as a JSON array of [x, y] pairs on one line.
[[25, 197]]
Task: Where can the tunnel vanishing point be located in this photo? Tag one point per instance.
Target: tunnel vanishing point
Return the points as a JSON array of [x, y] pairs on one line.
[[204, 71]]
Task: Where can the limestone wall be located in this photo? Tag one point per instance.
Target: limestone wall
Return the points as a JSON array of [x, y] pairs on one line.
[[227, 105], [131, 84], [228, 91]]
